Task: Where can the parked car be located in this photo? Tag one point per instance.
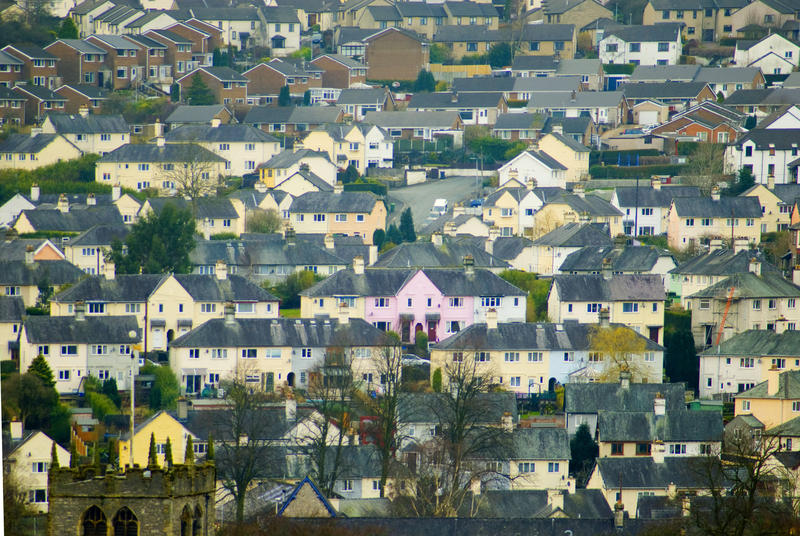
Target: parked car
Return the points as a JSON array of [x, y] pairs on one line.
[[414, 360]]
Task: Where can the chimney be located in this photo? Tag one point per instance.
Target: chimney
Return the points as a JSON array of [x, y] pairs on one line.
[[110, 271], [160, 141], [555, 498], [771, 182], [35, 191], [91, 200], [437, 239], [221, 270], [507, 422], [15, 427], [469, 265], [655, 183], [80, 311], [289, 235], [686, 506], [338, 187], [260, 187], [158, 128], [755, 266], [230, 314], [620, 241], [83, 110], [494, 233], [604, 318], [63, 204], [558, 128], [579, 190], [530, 183], [344, 314], [573, 96], [183, 409], [454, 97], [358, 265], [215, 122], [606, 269], [659, 405], [329, 242], [491, 319], [116, 192], [715, 193], [658, 450], [714, 244], [619, 515], [625, 379], [29, 253], [291, 409], [450, 228], [459, 209], [773, 380], [373, 254]]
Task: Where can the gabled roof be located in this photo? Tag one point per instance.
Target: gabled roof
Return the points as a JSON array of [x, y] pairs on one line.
[[8, 59], [287, 158], [518, 194], [362, 96], [221, 133], [267, 250], [224, 74], [12, 309], [23, 143], [727, 75], [723, 262], [676, 424], [293, 495], [647, 196], [32, 51], [412, 119], [553, 7], [788, 387], [434, 407], [765, 138], [576, 235], [763, 97], [292, 114], [281, 14], [41, 93], [579, 99], [123, 288], [620, 287], [643, 33], [664, 73], [523, 121], [328, 202], [78, 219], [84, 47], [172, 36], [169, 152], [593, 205], [534, 63], [625, 259], [195, 114], [456, 101], [89, 124], [116, 42], [749, 285], [205, 207], [663, 90], [759, 342], [570, 142], [92, 329], [101, 235], [91, 92], [588, 398], [645, 473], [428, 255], [724, 207]]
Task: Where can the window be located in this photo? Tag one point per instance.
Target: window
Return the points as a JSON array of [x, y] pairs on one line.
[[747, 362], [595, 357], [634, 47], [569, 356], [12, 291], [381, 302], [756, 305], [663, 47], [779, 363], [98, 349], [133, 307], [650, 357], [224, 146], [143, 167], [452, 326], [790, 303], [341, 217], [306, 353], [630, 307], [511, 357], [43, 350], [678, 448], [552, 467], [514, 381], [319, 217], [534, 46], [458, 357], [611, 47], [534, 357], [69, 349], [194, 353], [456, 302], [63, 375], [482, 357], [559, 45], [124, 349], [490, 301], [689, 222], [472, 47], [347, 485], [526, 467], [246, 308], [795, 406], [39, 467], [273, 353], [97, 308], [772, 303], [103, 374], [37, 496], [745, 405], [593, 307], [643, 449], [208, 307], [249, 353]]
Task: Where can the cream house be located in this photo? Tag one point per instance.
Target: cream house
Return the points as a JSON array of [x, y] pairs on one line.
[[160, 426], [776, 204], [570, 153], [511, 210], [574, 208], [22, 278], [551, 249], [359, 145], [22, 151], [28, 463], [288, 162], [338, 213], [773, 402], [166, 306], [95, 133], [12, 310], [88, 250], [213, 215]]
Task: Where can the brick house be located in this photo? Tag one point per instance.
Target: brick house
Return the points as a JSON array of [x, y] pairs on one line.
[[267, 79], [80, 62], [81, 96], [12, 107], [10, 69], [228, 86], [38, 65], [204, 40], [39, 101], [153, 55], [395, 54], [179, 55], [122, 58], [340, 71]]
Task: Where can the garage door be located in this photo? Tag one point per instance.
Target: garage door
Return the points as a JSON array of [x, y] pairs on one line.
[[648, 117]]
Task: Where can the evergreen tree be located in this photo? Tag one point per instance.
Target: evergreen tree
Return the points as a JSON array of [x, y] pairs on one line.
[[500, 55], [152, 458], [73, 455], [110, 390], [112, 453], [379, 237], [53, 456], [188, 457], [210, 450], [198, 92], [407, 226], [393, 235], [168, 454], [307, 98], [584, 451], [284, 98], [425, 81], [68, 30], [41, 369], [96, 455]]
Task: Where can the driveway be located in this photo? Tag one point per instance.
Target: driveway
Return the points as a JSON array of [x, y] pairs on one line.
[[420, 197]]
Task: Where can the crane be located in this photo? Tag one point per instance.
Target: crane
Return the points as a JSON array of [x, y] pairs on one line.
[[724, 316]]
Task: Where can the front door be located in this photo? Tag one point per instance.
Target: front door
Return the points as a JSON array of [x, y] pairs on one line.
[[432, 331], [406, 332], [193, 383]]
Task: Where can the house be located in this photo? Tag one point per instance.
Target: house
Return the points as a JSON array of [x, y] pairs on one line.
[[267, 79], [295, 185], [623, 259], [38, 64], [160, 165], [589, 70], [694, 220], [773, 401], [774, 54], [527, 358], [473, 108], [12, 309], [161, 426], [165, 306], [341, 213], [87, 250], [603, 107], [274, 352], [79, 346], [462, 41], [121, 59], [361, 145], [762, 102], [653, 74], [356, 103], [243, 147], [10, 69], [228, 86], [28, 462], [81, 62], [232, 22], [291, 120], [519, 126], [515, 250], [706, 21], [99, 134], [213, 215], [510, 210], [83, 97], [776, 204], [282, 28], [395, 54], [552, 248], [176, 51], [678, 96], [407, 300], [576, 207], [427, 126], [287, 163], [205, 38], [21, 151], [62, 217], [455, 224], [767, 152], [515, 88], [645, 208], [726, 81], [202, 115], [534, 165], [571, 154], [753, 301], [12, 107], [578, 13], [39, 102], [439, 253], [706, 121], [127, 206], [658, 44], [339, 71], [742, 361], [635, 300]]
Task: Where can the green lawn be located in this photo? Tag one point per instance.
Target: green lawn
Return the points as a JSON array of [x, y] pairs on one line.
[[290, 313]]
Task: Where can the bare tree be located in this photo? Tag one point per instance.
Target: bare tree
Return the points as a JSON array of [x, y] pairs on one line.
[[706, 166], [194, 174], [264, 221], [621, 350]]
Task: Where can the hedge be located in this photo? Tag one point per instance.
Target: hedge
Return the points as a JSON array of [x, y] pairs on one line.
[[632, 172], [374, 187]]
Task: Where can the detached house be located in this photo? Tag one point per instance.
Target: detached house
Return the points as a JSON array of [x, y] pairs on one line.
[[473, 108], [694, 220], [99, 134], [537, 166], [28, 461], [570, 153], [228, 86], [338, 72], [340, 213], [774, 54], [286, 163], [659, 44]]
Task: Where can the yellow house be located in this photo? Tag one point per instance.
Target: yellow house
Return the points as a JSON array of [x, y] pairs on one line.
[[344, 144], [288, 162], [574, 208], [774, 401], [776, 213], [162, 425], [708, 23], [213, 215], [21, 151], [338, 213], [568, 152], [22, 278], [28, 460]]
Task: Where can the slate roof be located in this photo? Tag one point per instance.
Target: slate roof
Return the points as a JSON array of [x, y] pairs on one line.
[[781, 139], [540, 444], [723, 262], [172, 36], [268, 250], [509, 247], [763, 97], [645, 473], [588, 398], [518, 193], [664, 73], [287, 158], [433, 407], [759, 342], [570, 142], [576, 235], [344, 247], [528, 336], [280, 332], [663, 90], [362, 96], [225, 74], [101, 235], [123, 288], [90, 124], [645, 33], [327, 202], [233, 288], [23, 143], [91, 330], [523, 121], [591, 204], [626, 259], [116, 41], [581, 99], [750, 285], [78, 219], [92, 92], [34, 51], [12, 309], [439, 223], [427, 255], [471, 9], [473, 32], [789, 428], [534, 63], [462, 100], [412, 119], [169, 152], [724, 207], [8, 59], [621, 287], [579, 66], [677, 425], [221, 133], [84, 47], [647, 196], [788, 387], [194, 114], [530, 504], [206, 207], [727, 75]]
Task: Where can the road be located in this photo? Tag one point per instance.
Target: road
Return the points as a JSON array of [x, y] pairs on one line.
[[420, 197]]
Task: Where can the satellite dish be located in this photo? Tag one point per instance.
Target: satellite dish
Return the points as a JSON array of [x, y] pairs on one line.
[[395, 84]]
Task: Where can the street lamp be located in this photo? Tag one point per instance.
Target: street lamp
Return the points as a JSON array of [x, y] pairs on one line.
[[133, 335]]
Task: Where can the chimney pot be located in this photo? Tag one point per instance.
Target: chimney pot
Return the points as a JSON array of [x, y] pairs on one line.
[[491, 319], [80, 311], [35, 191], [230, 313], [469, 264], [715, 193], [437, 239], [110, 271], [29, 254], [221, 270], [358, 265], [63, 203], [160, 141], [116, 192]]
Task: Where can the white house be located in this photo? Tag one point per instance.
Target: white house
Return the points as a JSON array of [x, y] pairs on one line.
[[658, 44], [774, 54], [536, 165], [645, 207], [28, 462]]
